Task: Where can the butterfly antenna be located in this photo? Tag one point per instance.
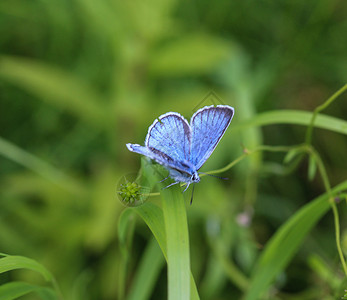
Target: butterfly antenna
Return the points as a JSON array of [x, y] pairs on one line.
[[191, 199], [224, 178]]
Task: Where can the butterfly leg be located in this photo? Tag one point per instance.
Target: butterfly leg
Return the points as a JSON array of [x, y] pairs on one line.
[[170, 185], [186, 187], [164, 179]]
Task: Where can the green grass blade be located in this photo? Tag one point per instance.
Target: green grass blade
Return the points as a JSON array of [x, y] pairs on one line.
[[293, 117], [189, 55], [286, 241], [13, 290], [177, 241], [48, 294], [58, 87], [153, 217], [126, 228], [9, 263], [151, 263], [13, 262], [26, 159], [16, 289]]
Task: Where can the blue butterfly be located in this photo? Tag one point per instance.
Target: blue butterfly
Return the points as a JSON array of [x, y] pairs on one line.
[[182, 147]]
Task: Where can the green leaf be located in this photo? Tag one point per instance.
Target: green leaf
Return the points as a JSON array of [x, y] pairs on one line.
[[56, 86], [324, 271], [16, 289], [293, 117], [285, 243], [153, 217], [180, 282], [290, 155], [221, 244], [152, 261], [177, 241], [44, 169], [312, 167], [126, 226], [9, 263], [192, 55], [123, 226], [48, 294]]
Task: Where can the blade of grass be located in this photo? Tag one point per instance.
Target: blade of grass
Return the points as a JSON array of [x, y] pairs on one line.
[[293, 117], [177, 238], [126, 227], [150, 265], [189, 55], [55, 86], [147, 273], [153, 217], [47, 294], [177, 242], [324, 271], [214, 279], [285, 243], [230, 269], [26, 159], [13, 290], [12, 262], [16, 289], [8, 263]]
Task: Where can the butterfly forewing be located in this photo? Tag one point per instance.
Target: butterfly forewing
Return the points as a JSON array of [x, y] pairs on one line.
[[208, 126], [170, 136]]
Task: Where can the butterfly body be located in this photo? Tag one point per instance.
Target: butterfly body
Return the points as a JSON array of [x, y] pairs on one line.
[[184, 147]]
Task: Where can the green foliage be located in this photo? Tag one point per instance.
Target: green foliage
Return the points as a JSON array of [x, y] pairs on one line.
[[79, 79], [13, 290], [283, 245]]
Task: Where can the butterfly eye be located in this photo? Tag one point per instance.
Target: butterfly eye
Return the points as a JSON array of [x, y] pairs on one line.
[[195, 177]]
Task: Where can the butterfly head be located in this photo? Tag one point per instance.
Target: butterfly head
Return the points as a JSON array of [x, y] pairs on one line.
[[195, 177]]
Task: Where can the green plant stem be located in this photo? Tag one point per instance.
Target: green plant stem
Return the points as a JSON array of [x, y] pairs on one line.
[[249, 152], [323, 172], [310, 150], [319, 109], [326, 182], [337, 234], [321, 168]]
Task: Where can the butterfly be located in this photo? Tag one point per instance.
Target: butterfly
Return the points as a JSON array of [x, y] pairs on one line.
[[183, 147]]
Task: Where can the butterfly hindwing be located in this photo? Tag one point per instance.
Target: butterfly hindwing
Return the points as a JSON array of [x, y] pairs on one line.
[[208, 126]]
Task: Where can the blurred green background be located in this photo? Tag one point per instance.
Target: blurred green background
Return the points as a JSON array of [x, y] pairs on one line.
[[81, 78]]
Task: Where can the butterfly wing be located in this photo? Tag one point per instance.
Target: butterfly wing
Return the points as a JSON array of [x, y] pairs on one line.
[[168, 142], [171, 135], [208, 125]]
